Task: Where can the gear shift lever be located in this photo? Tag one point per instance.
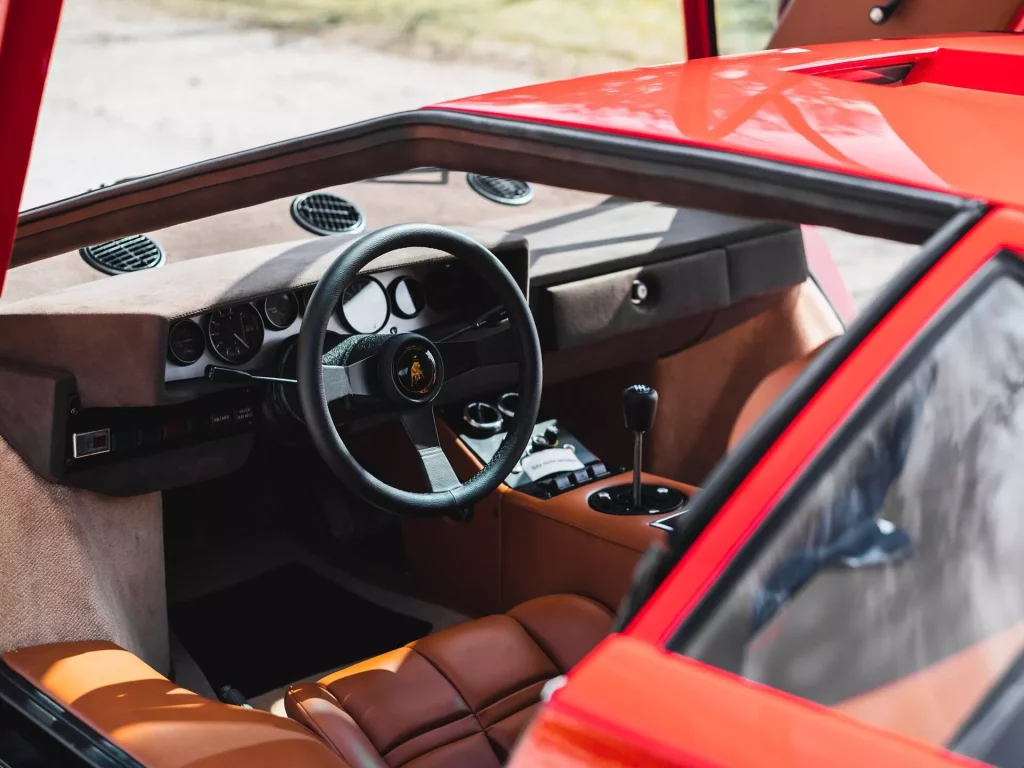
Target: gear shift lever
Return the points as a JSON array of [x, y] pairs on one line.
[[639, 404]]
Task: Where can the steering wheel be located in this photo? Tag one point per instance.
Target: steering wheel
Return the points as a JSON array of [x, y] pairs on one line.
[[406, 372]]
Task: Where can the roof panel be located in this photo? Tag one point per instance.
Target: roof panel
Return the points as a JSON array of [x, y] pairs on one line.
[[952, 126]]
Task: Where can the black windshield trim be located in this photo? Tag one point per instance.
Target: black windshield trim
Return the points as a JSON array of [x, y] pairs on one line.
[[594, 161]]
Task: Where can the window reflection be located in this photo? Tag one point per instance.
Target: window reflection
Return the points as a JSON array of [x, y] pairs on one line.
[[900, 570]]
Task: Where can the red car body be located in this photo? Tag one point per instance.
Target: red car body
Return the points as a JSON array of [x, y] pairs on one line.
[[632, 702], [950, 127]]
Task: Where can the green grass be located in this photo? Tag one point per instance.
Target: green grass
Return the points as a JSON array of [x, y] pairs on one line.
[[574, 35]]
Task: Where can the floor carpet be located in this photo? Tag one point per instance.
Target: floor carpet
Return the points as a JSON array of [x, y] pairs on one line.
[[285, 625]]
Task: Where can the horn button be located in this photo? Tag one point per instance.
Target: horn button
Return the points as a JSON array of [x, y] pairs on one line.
[[411, 369]]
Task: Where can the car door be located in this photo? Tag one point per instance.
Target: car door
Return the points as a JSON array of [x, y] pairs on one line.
[[27, 32], [716, 27], [773, 640]]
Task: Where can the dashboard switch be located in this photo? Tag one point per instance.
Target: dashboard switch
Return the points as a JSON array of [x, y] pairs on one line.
[[90, 443], [220, 418], [581, 477], [174, 429], [563, 483], [243, 414], [599, 470]]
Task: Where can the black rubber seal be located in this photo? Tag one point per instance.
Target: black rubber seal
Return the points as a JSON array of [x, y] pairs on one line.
[[594, 161]]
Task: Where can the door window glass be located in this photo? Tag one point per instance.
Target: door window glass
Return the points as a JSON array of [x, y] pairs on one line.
[[894, 588]]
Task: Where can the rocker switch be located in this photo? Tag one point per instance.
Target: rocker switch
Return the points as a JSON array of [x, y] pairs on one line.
[[90, 443]]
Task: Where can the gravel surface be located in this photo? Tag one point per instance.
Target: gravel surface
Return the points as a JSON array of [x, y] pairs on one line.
[[132, 91]]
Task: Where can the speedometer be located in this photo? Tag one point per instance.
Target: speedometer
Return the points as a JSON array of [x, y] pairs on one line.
[[364, 306], [235, 333]]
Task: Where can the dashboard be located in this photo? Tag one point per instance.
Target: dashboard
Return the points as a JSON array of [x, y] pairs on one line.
[[109, 373], [256, 335]]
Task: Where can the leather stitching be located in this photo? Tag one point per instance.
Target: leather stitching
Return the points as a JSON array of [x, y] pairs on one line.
[[442, 746], [455, 688], [312, 724], [516, 692], [433, 727], [543, 648], [540, 646], [518, 689]]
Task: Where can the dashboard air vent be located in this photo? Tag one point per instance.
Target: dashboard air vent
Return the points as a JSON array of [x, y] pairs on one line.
[[127, 254], [504, 191], [323, 213]]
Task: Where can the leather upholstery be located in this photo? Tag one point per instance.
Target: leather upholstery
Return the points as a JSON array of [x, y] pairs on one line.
[[458, 697], [155, 721], [767, 392]]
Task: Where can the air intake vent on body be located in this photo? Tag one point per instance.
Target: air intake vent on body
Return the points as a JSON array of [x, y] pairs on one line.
[[504, 191], [127, 254], [325, 214]]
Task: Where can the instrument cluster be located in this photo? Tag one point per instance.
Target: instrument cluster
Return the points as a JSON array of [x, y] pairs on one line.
[[249, 335]]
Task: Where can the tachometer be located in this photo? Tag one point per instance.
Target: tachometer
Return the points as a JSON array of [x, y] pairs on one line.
[[280, 310], [185, 343], [235, 333], [364, 306]]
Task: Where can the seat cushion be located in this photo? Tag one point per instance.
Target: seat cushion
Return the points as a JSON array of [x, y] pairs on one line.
[[458, 697]]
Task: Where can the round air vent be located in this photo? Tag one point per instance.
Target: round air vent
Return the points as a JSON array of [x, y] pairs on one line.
[[325, 214], [127, 254], [504, 191]]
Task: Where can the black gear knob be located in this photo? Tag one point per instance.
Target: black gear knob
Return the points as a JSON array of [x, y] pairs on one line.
[[639, 404]]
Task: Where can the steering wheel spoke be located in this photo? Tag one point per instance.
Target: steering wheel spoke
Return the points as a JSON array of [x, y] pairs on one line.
[[421, 427], [345, 380], [496, 348]]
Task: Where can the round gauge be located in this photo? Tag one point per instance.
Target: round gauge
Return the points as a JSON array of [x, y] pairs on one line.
[[364, 306], [235, 333], [407, 297], [185, 343], [280, 310]]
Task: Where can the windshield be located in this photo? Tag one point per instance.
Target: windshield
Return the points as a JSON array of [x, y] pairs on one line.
[[141, 86], [894, 590]]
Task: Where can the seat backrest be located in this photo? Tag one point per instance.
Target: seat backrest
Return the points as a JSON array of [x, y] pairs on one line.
[[767, 392]]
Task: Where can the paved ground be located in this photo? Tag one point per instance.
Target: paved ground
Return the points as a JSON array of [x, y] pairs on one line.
[[131, 92]]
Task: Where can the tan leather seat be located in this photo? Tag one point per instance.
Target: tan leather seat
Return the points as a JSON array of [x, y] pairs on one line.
[[767, 392], [459, 697]]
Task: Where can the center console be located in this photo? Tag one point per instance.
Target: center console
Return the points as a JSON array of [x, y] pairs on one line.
[[564, 521], [556, 461]]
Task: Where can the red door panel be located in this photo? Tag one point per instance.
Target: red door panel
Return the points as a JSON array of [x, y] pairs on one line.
[[632, 704], [27, 32]]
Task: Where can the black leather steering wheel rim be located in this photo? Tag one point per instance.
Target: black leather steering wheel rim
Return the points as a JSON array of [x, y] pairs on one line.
[[314, 398]]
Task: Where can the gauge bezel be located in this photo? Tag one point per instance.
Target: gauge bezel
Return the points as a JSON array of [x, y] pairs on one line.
[[172, 356], [266, 315], [396, 310], [213, 346], [340, 309]]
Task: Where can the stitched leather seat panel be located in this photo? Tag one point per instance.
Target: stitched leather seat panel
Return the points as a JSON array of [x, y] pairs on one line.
[[458, 697]]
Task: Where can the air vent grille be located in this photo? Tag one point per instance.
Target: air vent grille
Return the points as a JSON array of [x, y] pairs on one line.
[[504, 191], [890, 75], [323, 213], [127, 254]]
